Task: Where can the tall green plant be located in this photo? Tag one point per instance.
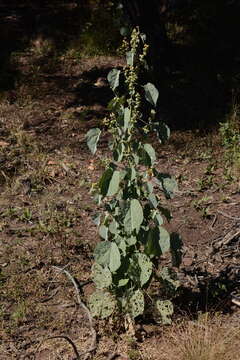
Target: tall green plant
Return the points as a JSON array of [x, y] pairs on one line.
[[131, 225]]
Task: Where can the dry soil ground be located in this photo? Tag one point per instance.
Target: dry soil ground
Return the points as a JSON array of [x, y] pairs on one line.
[[46, 213]]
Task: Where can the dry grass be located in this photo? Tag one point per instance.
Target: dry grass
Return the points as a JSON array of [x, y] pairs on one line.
[[205, 339]]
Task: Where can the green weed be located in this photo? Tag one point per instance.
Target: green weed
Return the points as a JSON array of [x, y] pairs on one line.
[[206, 182], [20, 312], [131, 225], [230, 135], [202, 204]]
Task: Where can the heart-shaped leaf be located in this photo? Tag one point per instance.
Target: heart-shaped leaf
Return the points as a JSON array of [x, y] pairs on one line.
[[136, 304], [102, 277], [167, 183], [134, 216], [165, 310], [113, 78], [130, 57], [158, 241], [92, 137], [151, 93], [102, 304], [109, 182], [107, 253], [140, 269]]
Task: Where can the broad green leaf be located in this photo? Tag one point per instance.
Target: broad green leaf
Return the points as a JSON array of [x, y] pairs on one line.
[[151, 93], [158, 241], [134, 216], [123, 282], [167, 183], [114, 258], [107, 253], [113, 227], [149, 187], [165, 310], [105, 180], [102, 277], [109, 182], [153, 200], [158, 219], [169, 277], [145, 265], [113, 78], [92, 137], [121, 245], [140, 269], [164, 240], [147, 155], [101, 253], [176, 249], [130, 57], [151, 152], [102, 304], [170, 187], [123, 173], [103, 232], [136, 304], [127, 118], [114, 183], [131, 240], [144, 158]]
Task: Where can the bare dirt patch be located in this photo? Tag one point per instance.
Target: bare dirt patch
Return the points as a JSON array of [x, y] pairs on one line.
[[46, 214]]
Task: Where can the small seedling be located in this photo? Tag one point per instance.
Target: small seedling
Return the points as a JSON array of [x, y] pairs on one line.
[[26, 215], [202, 205]]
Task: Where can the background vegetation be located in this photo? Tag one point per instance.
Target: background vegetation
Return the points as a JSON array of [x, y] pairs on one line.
[[194, 46]]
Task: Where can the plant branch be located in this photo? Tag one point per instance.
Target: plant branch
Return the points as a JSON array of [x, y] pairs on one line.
[[84, 307]]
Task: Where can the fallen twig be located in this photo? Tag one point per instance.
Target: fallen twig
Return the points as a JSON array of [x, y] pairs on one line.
[[51, 296], [228, 216], [84, 307], [226, 240], [78, 356], [213, 223]]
